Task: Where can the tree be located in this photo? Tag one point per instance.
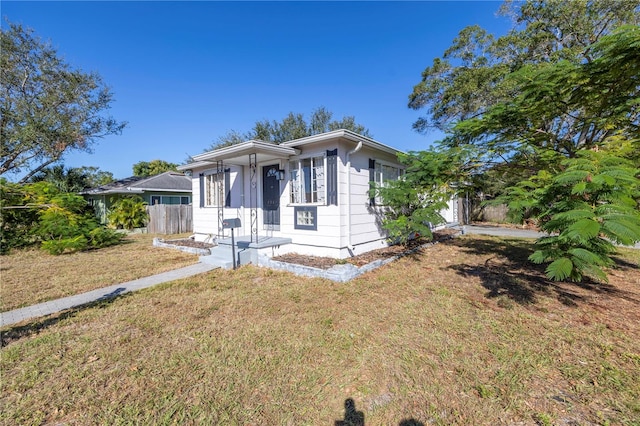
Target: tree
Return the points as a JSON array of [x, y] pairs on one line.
[[40, 213], [152, 168], [531, 106], [412, 204], [65, 180], [471, 74], [95, 176], [47, 107], [293, 126], [585, 208]]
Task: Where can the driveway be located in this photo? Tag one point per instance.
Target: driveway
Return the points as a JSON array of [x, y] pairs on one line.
[[500, 231]]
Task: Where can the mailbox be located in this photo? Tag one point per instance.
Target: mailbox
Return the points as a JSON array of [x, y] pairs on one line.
[[231, 223]]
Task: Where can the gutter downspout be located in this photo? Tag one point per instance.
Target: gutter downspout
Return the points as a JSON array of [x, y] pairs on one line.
[[353, 151]]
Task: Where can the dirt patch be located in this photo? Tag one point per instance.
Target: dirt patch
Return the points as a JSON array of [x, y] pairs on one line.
[[364, 258], [188, 242]]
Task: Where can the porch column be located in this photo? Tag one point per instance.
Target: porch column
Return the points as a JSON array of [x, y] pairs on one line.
[[220, 201], [253, 195]]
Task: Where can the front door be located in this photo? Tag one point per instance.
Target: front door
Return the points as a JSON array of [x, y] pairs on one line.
[[270, 196]]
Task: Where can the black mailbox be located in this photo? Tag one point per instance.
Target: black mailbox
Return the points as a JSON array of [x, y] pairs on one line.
[[231, 223]]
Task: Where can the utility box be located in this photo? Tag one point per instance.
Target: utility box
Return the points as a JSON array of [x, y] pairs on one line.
[[231, 223]]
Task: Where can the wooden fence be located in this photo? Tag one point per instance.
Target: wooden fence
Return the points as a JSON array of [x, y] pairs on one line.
[[170, 219]]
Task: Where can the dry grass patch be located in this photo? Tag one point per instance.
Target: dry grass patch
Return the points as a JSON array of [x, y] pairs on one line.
[[34, 276], [443, 337]]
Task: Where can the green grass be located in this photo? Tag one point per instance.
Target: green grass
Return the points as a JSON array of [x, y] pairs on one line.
[[424, 338]]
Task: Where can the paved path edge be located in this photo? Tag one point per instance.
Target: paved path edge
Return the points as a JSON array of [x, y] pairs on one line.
[[105, 293]]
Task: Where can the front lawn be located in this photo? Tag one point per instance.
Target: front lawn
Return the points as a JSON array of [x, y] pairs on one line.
[[461, 333], [34, 276]]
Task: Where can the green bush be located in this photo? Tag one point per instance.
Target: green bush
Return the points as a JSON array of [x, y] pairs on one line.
[[586, 209], [128, 213], [40, 213], [65, 245]]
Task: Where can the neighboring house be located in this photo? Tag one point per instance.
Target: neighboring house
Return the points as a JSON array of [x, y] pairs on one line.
[[165, 188], [309, 195]]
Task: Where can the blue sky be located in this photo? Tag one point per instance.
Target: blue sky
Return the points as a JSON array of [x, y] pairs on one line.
[[185, 73]]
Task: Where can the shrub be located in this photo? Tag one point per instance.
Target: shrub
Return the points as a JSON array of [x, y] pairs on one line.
[[586, 209], [40, 213], [128, 213]]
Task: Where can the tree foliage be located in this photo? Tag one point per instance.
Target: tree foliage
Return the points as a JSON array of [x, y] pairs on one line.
[[73, 179], [293, 126], [412, 204], [39, 213], [530, 108], [152, 168], [586, 208], [47, 107]]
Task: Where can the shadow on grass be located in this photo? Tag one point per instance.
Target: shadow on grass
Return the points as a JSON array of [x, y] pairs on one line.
[[353, 417], [36, 325], [508, 273]]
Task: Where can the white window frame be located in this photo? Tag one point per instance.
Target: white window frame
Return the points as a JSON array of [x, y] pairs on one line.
[[214, 196], [298, 180], [380, 177]]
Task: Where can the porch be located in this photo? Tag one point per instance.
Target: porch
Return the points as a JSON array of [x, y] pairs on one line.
[[247, 249]]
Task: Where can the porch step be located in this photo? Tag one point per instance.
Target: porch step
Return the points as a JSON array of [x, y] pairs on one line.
[[221, 256]]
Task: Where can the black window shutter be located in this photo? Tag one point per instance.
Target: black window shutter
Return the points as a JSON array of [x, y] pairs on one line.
[[332, 177], [372, 181], [201, 189], [227, 187]]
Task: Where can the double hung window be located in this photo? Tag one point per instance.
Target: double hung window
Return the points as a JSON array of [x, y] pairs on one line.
[[308, 181], [214, 190], [380, 174]]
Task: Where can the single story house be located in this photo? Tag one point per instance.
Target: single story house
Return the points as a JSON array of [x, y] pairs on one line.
[[164, 188], [308, 196]]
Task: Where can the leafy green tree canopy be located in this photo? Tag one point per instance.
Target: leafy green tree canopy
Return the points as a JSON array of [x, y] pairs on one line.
[[47, 107], [73, 179], [472, 74], [60, 222], [152, 168], [553, 109], [293, 126]]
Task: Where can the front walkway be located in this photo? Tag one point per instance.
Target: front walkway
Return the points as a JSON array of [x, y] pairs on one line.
[[53, 306]]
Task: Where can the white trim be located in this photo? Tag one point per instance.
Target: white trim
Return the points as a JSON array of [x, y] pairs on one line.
[[344, 134]]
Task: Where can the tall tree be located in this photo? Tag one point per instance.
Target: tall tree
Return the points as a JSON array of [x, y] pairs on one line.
[[293, 126], [63, 179], [73, 179], [533, 106], [48, 108], [152, 168], [95, 176]]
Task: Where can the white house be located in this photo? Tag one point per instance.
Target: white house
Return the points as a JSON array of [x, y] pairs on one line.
[[309, 195]]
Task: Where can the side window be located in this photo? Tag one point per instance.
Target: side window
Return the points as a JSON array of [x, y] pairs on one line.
[[379, 174]]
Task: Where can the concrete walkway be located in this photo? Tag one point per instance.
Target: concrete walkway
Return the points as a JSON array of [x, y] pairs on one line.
[[53, 306]]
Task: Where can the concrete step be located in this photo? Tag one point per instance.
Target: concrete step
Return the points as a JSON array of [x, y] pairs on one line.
[[221, 256]]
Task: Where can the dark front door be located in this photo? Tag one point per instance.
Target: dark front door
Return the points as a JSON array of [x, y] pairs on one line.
[[270, 196]]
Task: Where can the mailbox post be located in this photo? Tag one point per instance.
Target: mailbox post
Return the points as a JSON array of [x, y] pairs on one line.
[[231, 224]]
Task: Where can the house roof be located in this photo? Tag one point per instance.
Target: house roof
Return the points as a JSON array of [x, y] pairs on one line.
[[239, 154], [164, 182], [347, 135]]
